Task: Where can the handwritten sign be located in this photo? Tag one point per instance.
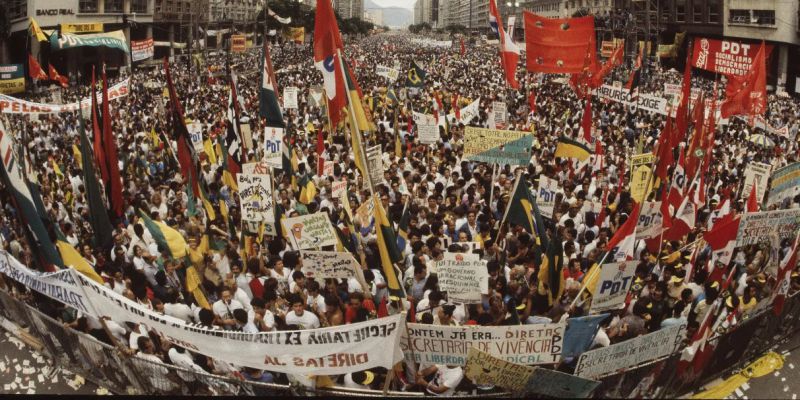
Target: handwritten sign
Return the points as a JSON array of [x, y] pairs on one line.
[[756, 173], [310, 231], [757, 227], [329, 264], [641, 171], [497, 146], [375, 164], [500, 111], [464, 277], [337, 188], [290, 97], [482, 368], [255, 197]]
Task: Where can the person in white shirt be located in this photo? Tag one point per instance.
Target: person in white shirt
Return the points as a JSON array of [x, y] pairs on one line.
[[299, 316], [445, 380], [238, 293], [261, 308], [223, 308]]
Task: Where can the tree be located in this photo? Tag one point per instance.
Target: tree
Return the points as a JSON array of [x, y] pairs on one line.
[[456, 28]]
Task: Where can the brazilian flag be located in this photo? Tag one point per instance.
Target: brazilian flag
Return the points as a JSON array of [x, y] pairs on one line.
[[415, 76], [402, 227], [307, 189]]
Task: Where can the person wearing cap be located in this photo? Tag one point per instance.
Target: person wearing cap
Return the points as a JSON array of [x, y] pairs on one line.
[[676, 285], [360, 380]]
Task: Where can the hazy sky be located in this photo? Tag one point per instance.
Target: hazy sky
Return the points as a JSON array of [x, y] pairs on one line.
[[409, 4]]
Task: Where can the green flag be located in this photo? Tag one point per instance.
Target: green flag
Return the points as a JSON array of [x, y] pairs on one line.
[[98, 216], [519, 209], [415, 76]]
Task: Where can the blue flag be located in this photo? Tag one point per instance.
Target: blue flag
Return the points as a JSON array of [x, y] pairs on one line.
[[580, 335]]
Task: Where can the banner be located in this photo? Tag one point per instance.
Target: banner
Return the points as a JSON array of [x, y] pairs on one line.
[[386, 72], [298, 34], [546, 196], [500, 112], [785, 184], [607, 360], [484, 369], [484, 145], [608, 47], [650, 219], [112, 40], [464, 277], [672, 89], [142, 49], [641, 172], [330, 264], [89, 27], [290, 97], [758, 173], [273, 146], [448, 345], [559, 385], [255, 197], [337, 188], [258, 168], [13, 105], [12, 78], [643, 101], [469, 112], [195, 130], [238, 43], [310, 231], [375, 164], [612, 286], [427, 128], [725, 56], [756, 227]]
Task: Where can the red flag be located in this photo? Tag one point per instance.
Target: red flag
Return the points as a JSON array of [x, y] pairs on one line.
[[437, 105], [97, 132], [35, 70], [699, 144], [463, 48], [685, 217], [602, 216], [615, 60], [788, 264], [678, 183], [621, 246], [664, 151], [752, 200], [114, 186], [751, 97], [558, 46], [532, 101], [327, 47], [722, 238], [586, 122], [681, 117], [509, 52], [320, 150], [186, 156], [454, 106], [55, 76]]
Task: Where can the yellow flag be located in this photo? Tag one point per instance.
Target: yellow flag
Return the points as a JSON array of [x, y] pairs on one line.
[[176, 242], [193, 286], [73, 259], [78, 156], [591, 278], [209, 149], [36, 31]]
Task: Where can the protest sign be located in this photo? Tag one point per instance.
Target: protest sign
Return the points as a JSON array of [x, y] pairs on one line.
[[329, 264], [482, 368], [643, 101], [255, 197], [238, 43], [310, 231], [315, 96], [497, 146], [448, 345], [756, 173], [386, 72], [111, 40], [785, 184], [546, 196], [613, 285], [725, 56], [559, 385], [13, 105], [375, 164], [756, 227], [500, 111], [259, 167], [641, 172], [428, 134], [649, 224], [195, 130], [142, 49], [469, 112], [337, 188], [464, 277], [273, 146], [672, 89], [290, 97], [607, 360], [12, 78]]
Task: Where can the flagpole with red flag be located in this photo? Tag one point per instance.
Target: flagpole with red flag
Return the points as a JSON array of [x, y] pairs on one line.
[[111, 157]]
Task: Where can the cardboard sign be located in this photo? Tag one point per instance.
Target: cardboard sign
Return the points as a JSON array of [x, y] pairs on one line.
[[273, 146], [255, 197], [650, 220], [613, 285], [290, 97], [195, 130], [482, 368], [546, 196], [329, 264], [500, 111], [464, 277], [375, 164], [641, 172], [756, 173], [337, 188], [386, 72], [310, 231], [497, 146]]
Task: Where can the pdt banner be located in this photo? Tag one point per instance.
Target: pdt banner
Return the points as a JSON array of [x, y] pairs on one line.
[[725, 56], [141, 49]]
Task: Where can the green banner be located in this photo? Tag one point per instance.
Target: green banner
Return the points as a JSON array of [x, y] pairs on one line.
[[12, 78], [113, 40]]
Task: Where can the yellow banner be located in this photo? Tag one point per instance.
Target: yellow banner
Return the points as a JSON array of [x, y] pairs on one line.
[[641, 172], [297, 34], [90, 27], [11, 86], [238, 43]]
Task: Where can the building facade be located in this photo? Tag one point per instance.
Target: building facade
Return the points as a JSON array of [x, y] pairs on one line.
[[349, 8]]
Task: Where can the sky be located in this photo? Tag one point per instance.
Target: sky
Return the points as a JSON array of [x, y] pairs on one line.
[[409, 4]]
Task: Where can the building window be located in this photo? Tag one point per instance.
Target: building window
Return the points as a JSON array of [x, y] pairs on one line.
[[764, 17], [739, 16], [17, 9], [139, 6], [713, 11], [680, 11], [114, 6], [665, 11], [697, 12], [87, 6]]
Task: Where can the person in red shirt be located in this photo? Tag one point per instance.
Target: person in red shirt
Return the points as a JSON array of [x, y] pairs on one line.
[[358, 302], [574, 270]]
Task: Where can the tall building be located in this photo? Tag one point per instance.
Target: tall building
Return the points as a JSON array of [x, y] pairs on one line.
[[349, 8], [374, 16]]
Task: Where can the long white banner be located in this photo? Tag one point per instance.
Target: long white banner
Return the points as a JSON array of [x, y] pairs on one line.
[[326, 351], [13, 105], [643, 101]]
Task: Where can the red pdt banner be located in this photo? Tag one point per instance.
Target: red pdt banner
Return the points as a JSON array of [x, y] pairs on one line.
[[725, 56]]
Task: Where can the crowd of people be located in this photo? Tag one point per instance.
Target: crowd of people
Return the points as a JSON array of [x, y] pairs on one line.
[[451, 200]]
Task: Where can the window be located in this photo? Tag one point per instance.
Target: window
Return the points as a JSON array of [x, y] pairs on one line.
[[713, 11], [114, 6], [680, 11], [87, 6], [764, 17], [739, 16], [139, 6], [697, 12], [665, 8], [17, 9]]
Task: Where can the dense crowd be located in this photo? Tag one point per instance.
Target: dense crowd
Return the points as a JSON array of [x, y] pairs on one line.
[[451, 201]]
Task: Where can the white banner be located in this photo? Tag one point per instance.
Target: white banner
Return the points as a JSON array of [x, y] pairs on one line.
[[326, 351], [606, 360], [255, 197], [330, 264], [13, 105], [273, 146], [386, 72], [785, 183], [375, 164], [310, 231], [756, 227], [449, 345], [613, 285], [464, 277], [758, 173], [141, 49], [649, 224], [500, 112], [290, 97], [468, 113], [195, 130], [644, 101], [546, 196]]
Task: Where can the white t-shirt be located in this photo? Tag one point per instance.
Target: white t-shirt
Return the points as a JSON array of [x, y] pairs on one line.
[[306, 321], [449, 377], [178, 310], [226, 311]]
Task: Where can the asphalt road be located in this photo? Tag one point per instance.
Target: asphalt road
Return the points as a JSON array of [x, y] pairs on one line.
[[781, 384], [24, 371]]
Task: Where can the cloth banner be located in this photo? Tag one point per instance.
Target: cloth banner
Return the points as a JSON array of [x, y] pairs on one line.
[[310, 231], [13, 105], [756, 227], [646, 102], [111, 40], [484, 145], [142, 49], [12, 79], [726, 57], [785, 184]]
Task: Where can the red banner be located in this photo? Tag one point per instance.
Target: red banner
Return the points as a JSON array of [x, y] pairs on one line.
[[238, 43], [725, 56], [559, 46]]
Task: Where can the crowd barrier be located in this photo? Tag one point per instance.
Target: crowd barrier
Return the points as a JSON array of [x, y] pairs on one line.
[[122, 374]]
